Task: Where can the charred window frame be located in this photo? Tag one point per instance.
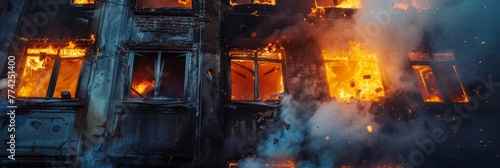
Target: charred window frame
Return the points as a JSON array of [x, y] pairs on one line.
[[438, 77], [51, 73], [158, 75], [249, 80]]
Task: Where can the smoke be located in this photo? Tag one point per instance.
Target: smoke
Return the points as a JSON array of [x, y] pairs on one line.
[[330, 133]]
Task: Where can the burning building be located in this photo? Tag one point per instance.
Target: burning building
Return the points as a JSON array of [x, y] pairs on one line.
[[249, 83]]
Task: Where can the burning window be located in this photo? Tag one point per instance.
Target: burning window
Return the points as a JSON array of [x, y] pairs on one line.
[[159, 75], [441, 68], [241, 2], [353, 74], [83, 2], [339, 3], [256, 75], [50, 72], [143, 4]]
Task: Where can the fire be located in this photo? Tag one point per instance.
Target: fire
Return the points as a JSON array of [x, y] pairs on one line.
[[264, 2], [349, 4], [144, 86], [184, 2], [83, 1], [427, 83], [420, 5], [353, 74], [38, 67]]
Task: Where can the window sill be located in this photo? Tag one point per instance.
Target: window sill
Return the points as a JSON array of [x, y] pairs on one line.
[[34, 102], [159, 102]]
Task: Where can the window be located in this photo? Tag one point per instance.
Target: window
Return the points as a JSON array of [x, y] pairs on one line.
[[433, 70], [143, 4], [353, 73], [51, 72], [158, 75], [256, 75], [240, 2]]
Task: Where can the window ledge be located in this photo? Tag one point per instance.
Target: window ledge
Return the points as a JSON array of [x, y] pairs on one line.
[[273, 104], [175, 11], [159, 102]]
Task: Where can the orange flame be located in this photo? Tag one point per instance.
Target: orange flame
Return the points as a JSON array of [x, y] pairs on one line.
[[38, 70], [144, 86], [240, 2], [184, 2], [420, 5], [83, 1], [349, 4], [353, 74], [369, 128]]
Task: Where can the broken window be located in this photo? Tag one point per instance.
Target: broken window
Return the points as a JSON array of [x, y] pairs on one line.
[[158, 75], [353, 73], [144, 4], [431, 70], [50, 72], [256, 75], [241, 2]]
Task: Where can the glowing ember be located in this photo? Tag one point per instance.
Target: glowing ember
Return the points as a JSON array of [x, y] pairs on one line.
[[144, 86], [83, 1], [427, 83], [369, 129], [240, 2], [353, 74]]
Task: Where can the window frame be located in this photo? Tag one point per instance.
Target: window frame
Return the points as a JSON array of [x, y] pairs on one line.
[[54, 74], [434, 64], [130, 69], [255, 59]]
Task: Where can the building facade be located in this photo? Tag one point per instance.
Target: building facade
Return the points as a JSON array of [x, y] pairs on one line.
[[181, 83]]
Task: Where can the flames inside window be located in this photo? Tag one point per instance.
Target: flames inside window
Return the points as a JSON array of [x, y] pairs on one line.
[[158, 75], [339, 3], [143, 4], [442, 71], [256, 75], [49, 71], [240, 2], [83, 2], [353, 73]]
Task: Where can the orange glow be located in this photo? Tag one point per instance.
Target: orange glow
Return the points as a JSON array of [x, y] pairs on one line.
[[152, 4], [264, 73], [401, 5], [427, 83], [369, 128], [353, 73], [349, 4], [420, 5], [38, 67], [83, 1], [144, 86], [241, 2], [339, 4], [288, 164]]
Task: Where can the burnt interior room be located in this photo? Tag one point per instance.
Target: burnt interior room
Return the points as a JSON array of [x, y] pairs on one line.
[[249, 83]]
